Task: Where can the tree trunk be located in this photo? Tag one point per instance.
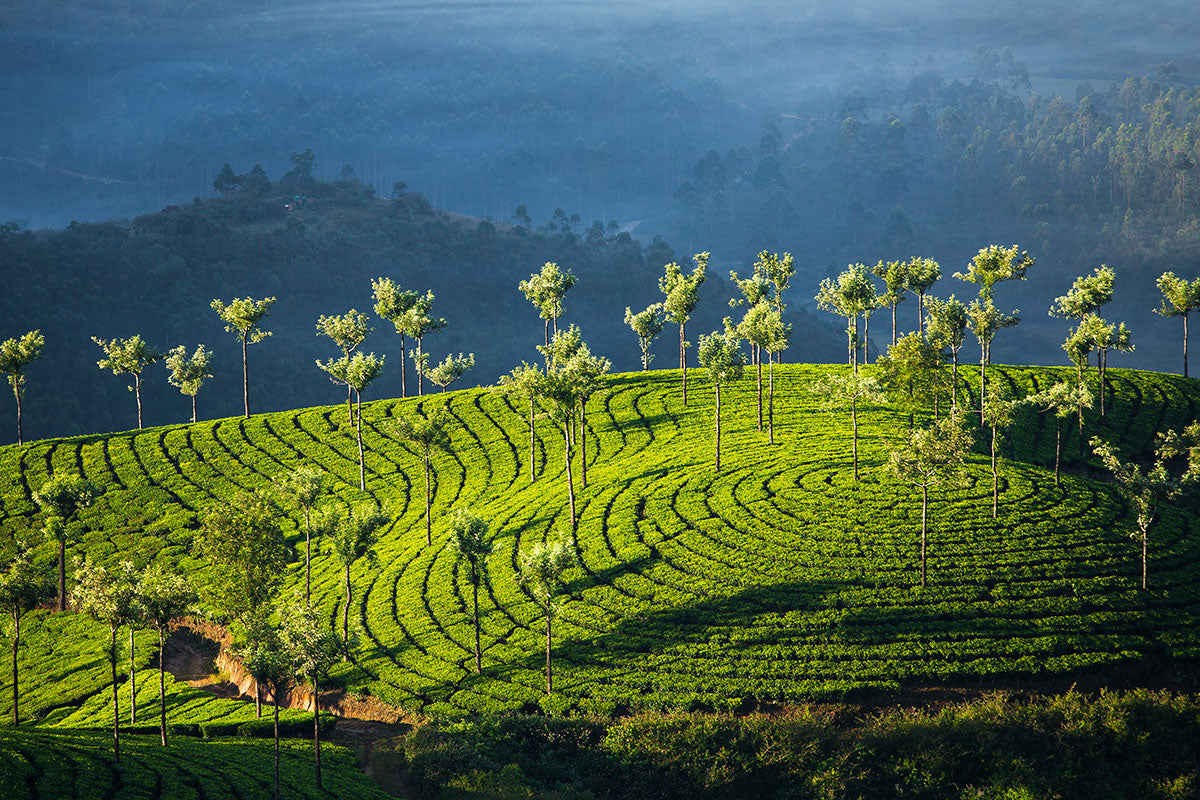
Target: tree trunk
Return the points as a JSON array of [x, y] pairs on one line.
[[854, 433], [532, 477], [549, 670], [307, 555], [982, 377], [1103, 356], [17, 394], [317, 729], [162, 690], [137, 393], [362, 464], [583, 440], [995, 476], [758, 370], [112, 662], [428, 499], [954, 384], [570, 480], [475, 613], [683, 362], [1185, 342], [62, 570], [546, 337], [276, 695], [1145, 538], [866, 339], [1057, 447], [346, 612], [245, 380], [419, 366], [132, 683], [16, 641], [718, 426], [851, 329], [349, 406], [921, 313], [771, 399], [193, 409], [924, 509], [894, 323], [403, 385]]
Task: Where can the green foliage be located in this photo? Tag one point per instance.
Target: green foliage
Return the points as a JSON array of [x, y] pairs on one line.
[[646, 325], [243, 317], [188, 373], [449, 369], [243, 541]]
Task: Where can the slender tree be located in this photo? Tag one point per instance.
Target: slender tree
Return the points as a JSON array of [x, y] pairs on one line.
[[108, 597], [1064, 399], [354, 537], [946, 329], [242, 541], [312, 650], [559, 396], [755, 289], [347, 331], [682, 294], [1148, 489], [418, 323], [426, 434], [162, 597], [450, 369], [62, 498], [913, 373], [894, 275], [920, 274], [647, 325], [263, 655], [1088, 293], [188, 373], [849, 390], [1110, 336], [779, 271], [1179, 299], [242, 318], [587, 373], [546, 290], [356, 371], [985, 320], [525, 382], [23, 587], [849, 295], [778, 335], [762, 327], [999, 408], [128, 357], [393, 303], [929, 458], [539, 571], [304, 486], [15, 356], [721, 355], [472, 546]]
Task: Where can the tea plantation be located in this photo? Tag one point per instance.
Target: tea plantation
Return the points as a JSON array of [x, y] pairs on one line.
[[778, 580]]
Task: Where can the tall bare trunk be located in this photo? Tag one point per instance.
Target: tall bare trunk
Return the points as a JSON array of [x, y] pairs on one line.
[[1185, 343], [245, 380], [854, 433], [549, 669], [112, 662], [570, 480], [317, 729], [532, 477], [132, 683], [17, 394], [758, 369], [346, 611], [583, 440], [275, 693], [924, 511], [16, 642], [362, 464], [62, 570], [683, 362], [193, 409], [403, 370], [771, 399], [475, 614], [995, 476], [428, 502], [1057, 448], [162, 689], [718, 426], [307, 554]]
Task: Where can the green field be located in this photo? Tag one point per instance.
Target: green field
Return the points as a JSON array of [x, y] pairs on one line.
[[778, 580]]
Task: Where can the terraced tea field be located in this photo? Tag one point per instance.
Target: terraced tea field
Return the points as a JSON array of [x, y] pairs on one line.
[[777, 580]]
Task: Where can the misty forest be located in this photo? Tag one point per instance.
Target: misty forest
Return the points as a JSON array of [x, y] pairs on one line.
[[599, 400]]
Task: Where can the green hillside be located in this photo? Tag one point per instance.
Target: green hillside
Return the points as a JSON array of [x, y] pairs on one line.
[[776, 581]]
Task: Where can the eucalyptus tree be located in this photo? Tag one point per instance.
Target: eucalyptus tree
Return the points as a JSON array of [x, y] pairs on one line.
[[546, 290], [23, 587], [426, 434], [721, 356], [108, 597], [1180, 298], [188, 373], [525, 382], [559, 396], [128, 357], [762, 327], [539, 572], [682, 294], [1109, 336], [564, 346], [356, 371], [1088, 293], [929, 458], [311, 650], [778, 335], [1064, 399], [779, 271], [392, 303], [243, 318], [15, 356], [264, 657], [472, 546], [946, 329], [353, 537], [848, 295], [920, 274], [418, 322], [999, 408], [163, 597], [646, 325], [913, 372], [840, 391], [303, 486], [894, 275], [450, 369], [243, 544], [1148, 489], [587, 373], [985, 320], [755, 289], [347, 331], [62, 498]]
